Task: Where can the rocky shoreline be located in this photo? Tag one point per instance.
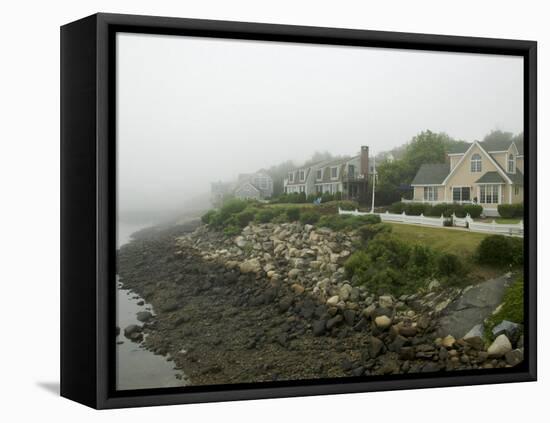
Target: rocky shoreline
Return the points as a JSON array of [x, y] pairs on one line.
[[273, 304]]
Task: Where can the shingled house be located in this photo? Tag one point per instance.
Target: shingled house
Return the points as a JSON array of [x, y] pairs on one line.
[[256, 186], [488, 173], [348, 175]]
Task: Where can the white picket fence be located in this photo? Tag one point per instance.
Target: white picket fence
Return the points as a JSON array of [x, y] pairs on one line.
[[466, 222]]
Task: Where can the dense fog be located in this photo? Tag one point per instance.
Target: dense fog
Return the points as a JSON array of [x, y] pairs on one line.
[[192, 111]]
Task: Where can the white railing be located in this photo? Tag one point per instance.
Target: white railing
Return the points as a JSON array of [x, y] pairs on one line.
[[466, 222]]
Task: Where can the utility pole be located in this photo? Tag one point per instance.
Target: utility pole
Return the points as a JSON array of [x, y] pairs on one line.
[[373, 180]]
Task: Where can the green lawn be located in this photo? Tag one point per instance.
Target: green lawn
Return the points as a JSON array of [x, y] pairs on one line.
[[461, 243]]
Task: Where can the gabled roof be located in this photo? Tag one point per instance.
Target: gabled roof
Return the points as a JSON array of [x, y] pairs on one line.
[[458, 148], [517, 178], [245, 185], [492, 177], [431, 174], [491, 159]]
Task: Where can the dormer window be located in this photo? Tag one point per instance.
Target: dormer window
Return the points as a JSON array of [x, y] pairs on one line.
[[302, 175], [291, 177], [319, 174], [334, 172], [351, 171], [511, 163], [475, 163]]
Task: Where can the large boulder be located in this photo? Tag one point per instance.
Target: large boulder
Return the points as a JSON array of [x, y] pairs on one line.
[[500, 346], [144, 316]]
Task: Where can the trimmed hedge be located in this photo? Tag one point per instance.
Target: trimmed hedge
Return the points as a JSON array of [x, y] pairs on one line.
[[501, 250], [511, 210], [445, 209]]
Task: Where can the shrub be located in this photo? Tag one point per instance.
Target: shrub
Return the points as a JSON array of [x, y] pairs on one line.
[[339, 222], [474, 210], [511, 210], [207, 217], [265, 215], [448, 264], [231, 230], [368, 232], [397, 208], [310, 217], [501, 250], [245, 217], [231, 207], [293, 214]]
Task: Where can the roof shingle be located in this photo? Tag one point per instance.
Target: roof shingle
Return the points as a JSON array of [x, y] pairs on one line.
[[431, 174]]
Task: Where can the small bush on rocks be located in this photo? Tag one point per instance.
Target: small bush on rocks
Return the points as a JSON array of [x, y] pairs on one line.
[[368, 232], [310, 217], [293, 214], [207, 217], [265, 215], [232, 230]]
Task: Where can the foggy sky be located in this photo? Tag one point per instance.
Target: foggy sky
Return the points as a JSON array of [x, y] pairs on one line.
[[191, 111]]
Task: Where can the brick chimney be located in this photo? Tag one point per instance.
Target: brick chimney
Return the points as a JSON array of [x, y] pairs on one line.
[[364, 160]]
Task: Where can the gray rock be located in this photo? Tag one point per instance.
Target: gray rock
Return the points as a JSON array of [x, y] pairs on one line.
[[349, 316], [132, 329], [374, 346], [514, 357], [319, 327], [510, 329], [334, 321], [474, 337], [144, 316]]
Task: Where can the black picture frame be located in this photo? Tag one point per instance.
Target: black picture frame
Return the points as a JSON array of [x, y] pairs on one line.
[[88, 199]]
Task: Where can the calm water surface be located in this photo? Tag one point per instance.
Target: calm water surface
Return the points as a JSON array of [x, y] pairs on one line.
[[138, 368]]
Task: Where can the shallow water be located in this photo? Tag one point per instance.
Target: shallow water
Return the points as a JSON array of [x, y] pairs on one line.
[[136, 367]]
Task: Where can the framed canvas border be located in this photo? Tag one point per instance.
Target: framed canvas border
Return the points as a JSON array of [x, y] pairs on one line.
[[88, 207]]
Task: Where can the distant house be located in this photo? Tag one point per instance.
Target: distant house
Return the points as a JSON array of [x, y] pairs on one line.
[[347, 175], [257, 186], [486, 173]]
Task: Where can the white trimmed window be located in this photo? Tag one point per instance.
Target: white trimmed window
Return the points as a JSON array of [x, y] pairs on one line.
[[302, 175], [334, 172], [319, 174], [461, 194], [351, 171], [475, 163], [511, 163], [291, 177], [488, 194], [430, 193]]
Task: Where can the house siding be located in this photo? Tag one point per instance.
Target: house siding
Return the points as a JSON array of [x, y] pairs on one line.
[[454, 160], [463, 176], [419, 193]]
